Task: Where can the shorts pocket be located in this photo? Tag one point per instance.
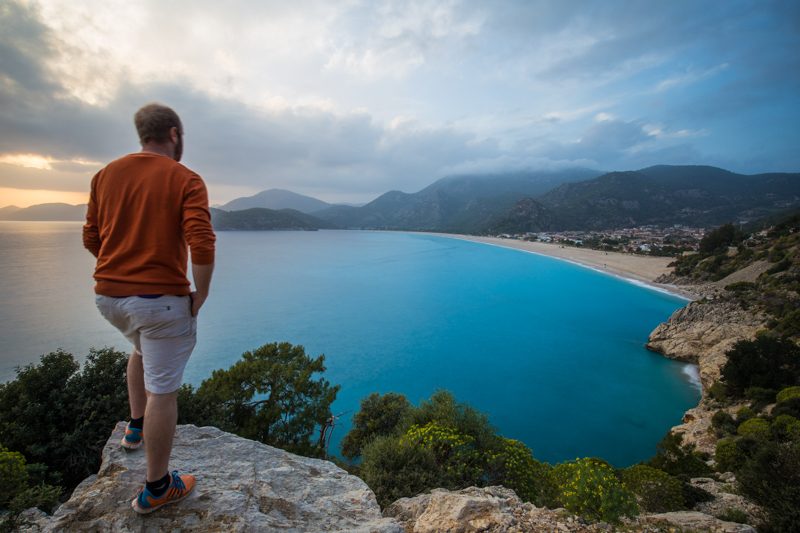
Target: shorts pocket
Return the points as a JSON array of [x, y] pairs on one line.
[[166, 320]]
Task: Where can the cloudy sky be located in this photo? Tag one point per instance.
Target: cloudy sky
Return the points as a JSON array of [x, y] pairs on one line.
[[344, 100]]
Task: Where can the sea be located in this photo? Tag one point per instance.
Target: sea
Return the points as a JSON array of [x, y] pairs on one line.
[[552, 352]]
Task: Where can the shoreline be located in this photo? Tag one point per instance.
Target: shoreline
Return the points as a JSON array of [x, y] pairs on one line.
[[637, 269]]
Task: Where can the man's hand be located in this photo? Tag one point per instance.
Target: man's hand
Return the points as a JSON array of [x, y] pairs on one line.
[[202, 280], [197, 300]]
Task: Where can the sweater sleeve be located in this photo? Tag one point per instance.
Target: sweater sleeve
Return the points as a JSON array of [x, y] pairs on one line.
[[197, 222], [91, 234]]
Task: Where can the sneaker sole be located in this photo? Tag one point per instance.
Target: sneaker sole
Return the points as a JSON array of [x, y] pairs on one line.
[[130, 446], [141, 510]]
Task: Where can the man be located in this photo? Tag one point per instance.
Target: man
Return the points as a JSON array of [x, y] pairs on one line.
[[143, 210]]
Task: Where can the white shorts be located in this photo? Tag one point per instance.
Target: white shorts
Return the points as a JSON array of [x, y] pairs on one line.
[[161, 329]]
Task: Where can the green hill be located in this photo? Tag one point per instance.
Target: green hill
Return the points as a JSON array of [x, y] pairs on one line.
[[663, 195], [259, 218]]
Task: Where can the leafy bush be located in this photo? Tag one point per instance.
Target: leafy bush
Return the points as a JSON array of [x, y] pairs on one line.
[[785, 428], [513, 466], [719, 392], [13, 475], [589, 488], [760, 397], [394, 470], [789, 407], [43, 496], [55, 415], [744, 414], [729, 456], [765, 362], [459, 462], [655, 490], [723, 423], [678, 460], [719, 239], [378, 415], [772, 479], [788, 393], [268, 396], [757, 428]]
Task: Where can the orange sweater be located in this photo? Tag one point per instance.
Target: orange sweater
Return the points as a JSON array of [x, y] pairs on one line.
[[143, 211]]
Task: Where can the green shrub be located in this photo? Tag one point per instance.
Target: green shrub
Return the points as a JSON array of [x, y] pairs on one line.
[[760, 397], [789, 407], [723, 423], [765, 362], [729, 456], [378, 415], [785, 428], [655, 490], [13, 475], [58, 415], [678, 460], [513, 466], [733, 515], [394, 470], [589, 488], [788, 393], [744, 414], [270, 395], [43, 496], [757, 428], [771, 478], [719, 392], [454, 452]]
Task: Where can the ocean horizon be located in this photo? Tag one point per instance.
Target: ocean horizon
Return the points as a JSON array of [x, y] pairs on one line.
[[552, 352]]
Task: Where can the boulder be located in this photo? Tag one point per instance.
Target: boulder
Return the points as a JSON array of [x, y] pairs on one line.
[[242, 485]]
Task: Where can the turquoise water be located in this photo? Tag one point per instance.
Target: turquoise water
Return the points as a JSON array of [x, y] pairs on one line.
[[552, 352]]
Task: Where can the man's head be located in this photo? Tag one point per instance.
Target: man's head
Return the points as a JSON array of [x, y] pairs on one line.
[[159, 125]]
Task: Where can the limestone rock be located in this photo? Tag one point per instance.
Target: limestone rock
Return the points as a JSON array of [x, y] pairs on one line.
[[725, 499], [487, 509], [696, 521], [702, 333], [242, 485]]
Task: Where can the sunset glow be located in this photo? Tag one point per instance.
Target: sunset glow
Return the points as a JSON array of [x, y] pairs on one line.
[[28, 197]]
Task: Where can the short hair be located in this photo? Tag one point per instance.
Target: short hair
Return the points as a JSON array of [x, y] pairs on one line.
[[154, 121]]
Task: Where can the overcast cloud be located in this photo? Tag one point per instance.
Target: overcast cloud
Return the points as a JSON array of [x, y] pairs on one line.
[[346, 100]]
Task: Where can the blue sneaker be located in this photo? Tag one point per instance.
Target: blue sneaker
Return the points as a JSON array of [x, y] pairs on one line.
[[179, 488], [133, 438]]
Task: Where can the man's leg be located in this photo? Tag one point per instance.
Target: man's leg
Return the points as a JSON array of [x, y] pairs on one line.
[[137, 397], [160, 418]]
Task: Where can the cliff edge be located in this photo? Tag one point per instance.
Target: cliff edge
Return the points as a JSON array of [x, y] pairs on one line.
[[242, 485]]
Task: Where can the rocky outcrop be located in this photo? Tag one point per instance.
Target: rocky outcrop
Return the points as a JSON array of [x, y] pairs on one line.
[[702, 333], [242, 485], [726, 499], [248, 486], [499, 510]]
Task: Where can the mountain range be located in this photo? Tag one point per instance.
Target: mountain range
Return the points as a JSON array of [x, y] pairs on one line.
[[699, 196], [574, 199], [53, 211]]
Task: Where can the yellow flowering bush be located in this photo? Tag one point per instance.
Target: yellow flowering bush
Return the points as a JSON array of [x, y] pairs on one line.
[[589, 488], [513, 466]]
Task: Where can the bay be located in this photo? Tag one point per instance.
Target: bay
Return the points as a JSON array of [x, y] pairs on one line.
[[551, 351]]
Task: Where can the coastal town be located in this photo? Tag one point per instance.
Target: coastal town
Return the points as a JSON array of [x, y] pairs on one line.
[[643, 240]]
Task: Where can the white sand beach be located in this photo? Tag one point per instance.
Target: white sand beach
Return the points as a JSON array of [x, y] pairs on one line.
[[640, 268]]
